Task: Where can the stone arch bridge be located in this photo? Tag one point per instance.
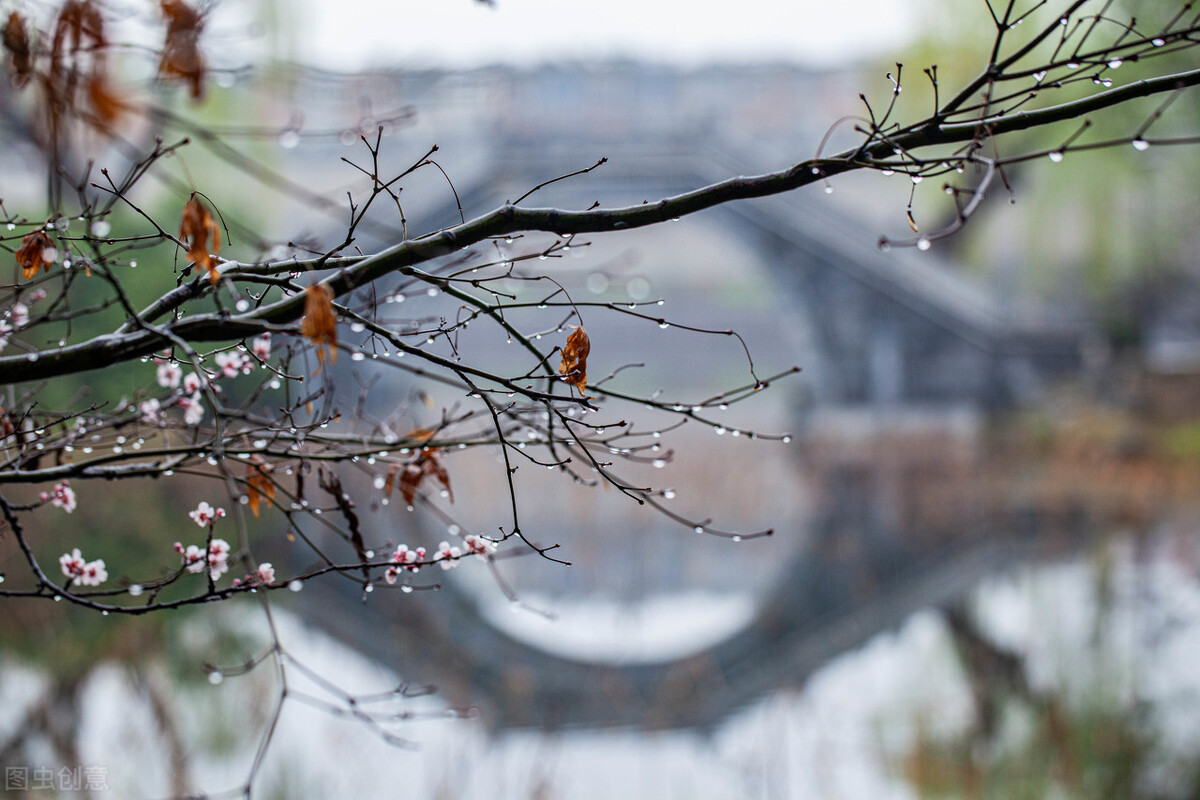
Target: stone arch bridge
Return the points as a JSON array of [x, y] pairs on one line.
[[898, 331]]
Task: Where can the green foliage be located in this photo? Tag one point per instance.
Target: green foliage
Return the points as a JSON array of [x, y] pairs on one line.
[[1096, 225], [1087, 754]]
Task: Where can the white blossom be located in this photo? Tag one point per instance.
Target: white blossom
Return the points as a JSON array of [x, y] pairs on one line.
[[192, 383], [261, 347], [149, 410], [409, 558], [447, 555], [217, 561], [62, 495], [232, 362], [206, 515], [72, 564], [91, 573], [193, 409], [478, 544], [94, 573], [20, 315], [169, 375]]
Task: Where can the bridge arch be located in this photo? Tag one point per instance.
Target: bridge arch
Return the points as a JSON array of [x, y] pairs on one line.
[[888, 330]]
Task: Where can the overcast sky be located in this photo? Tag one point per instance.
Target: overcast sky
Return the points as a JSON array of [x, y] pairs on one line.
[[464, 33]]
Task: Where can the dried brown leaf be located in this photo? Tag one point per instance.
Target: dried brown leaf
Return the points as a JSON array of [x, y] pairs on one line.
[[422, 434], [104, 100], [20, 52], [390, 484], [78, 63], [438, 470], [427, 463], [195, 228], [181, 56], [258, 484], [79, 27], [320, 321], [410, 479], [37, 251], [574, 359]]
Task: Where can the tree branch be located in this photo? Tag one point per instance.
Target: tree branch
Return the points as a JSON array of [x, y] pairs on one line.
[[103, 351]]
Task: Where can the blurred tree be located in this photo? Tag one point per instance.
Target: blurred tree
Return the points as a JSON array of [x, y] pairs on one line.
[[1126, 213]]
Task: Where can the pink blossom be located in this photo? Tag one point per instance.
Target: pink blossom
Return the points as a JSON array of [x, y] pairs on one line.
[[193, 558], [261, 347], [149, 410], [447, 555], [5, 332], [266, 572], [217, 561], [391, 574], [20, 315], [192, 383], [72, 564], [218, 558], [478, 544], [193, 409], [229, 364], [62, 495], [91, 573], [403, 555], [169, 374], [206, 515], [94, 573], [232, 362]]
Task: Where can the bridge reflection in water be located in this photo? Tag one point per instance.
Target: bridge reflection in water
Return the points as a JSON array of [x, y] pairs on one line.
[[882, 503]]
